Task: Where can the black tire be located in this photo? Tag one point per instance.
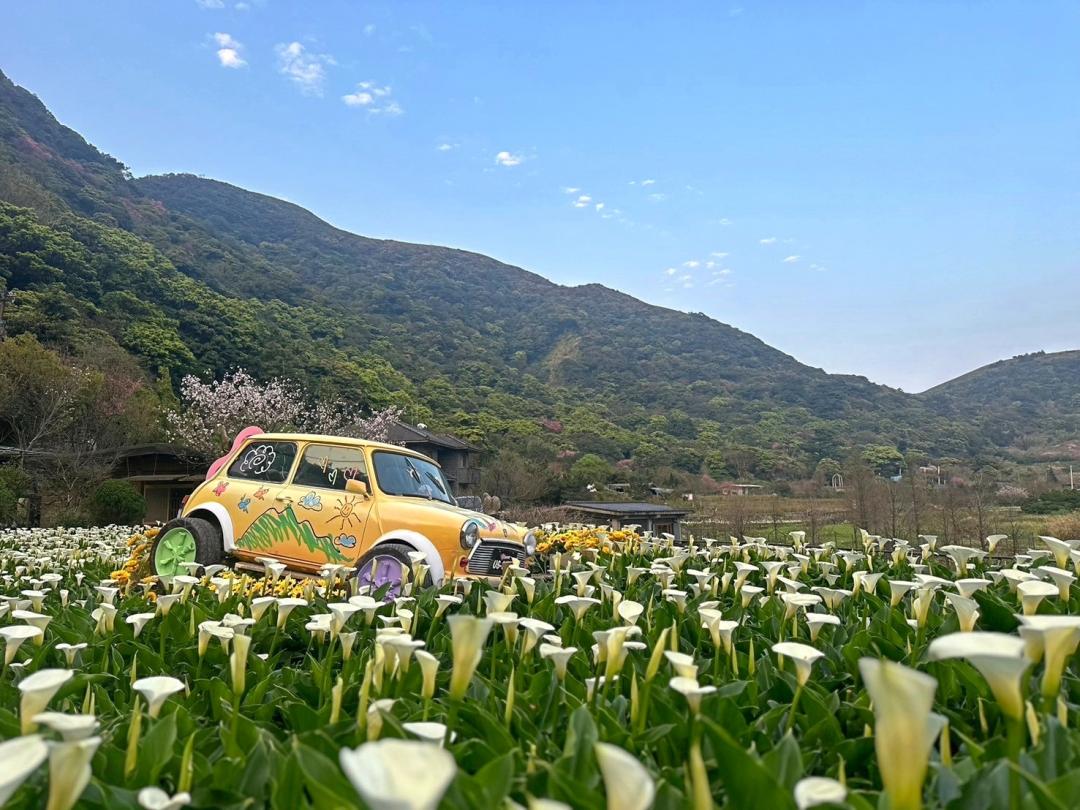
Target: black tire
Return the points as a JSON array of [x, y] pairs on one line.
[[393, 550], [209, 547]]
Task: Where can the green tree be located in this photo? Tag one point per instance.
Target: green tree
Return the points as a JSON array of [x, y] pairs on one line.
[[117, 502], [589, 469]]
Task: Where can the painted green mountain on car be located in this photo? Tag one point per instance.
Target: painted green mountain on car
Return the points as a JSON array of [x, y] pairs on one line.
[[272, 529]]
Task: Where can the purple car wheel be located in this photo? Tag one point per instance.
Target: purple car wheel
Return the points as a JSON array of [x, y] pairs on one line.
[[379, 572]]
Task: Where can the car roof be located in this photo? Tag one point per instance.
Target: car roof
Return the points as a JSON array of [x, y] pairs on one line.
[[323, 438]]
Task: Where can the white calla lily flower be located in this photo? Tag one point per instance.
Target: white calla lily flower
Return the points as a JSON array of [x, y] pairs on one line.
[[626, 782], [138, 621], [816, 790], [434, 733], [399, 774], [1059, 548], [803, 655], [20, 756], [68, 726], [999, 657], [1053, 638], [154, 798], [692, 691], [467, 635], [37, 690], [156, 690], [902, 699], [69, 771], [1032, 592], [14, 635], [559, 657]]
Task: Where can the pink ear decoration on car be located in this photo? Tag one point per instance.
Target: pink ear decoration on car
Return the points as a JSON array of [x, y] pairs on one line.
[[241, 437]]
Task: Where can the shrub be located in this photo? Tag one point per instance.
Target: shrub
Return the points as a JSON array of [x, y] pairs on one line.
[[8, 505], [1053, 503], [1064, 527], [117, 502]]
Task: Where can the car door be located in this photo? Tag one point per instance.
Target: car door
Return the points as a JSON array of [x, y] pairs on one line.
[[255, 492], [330, 520]]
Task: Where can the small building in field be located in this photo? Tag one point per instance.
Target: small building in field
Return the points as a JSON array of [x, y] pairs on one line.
[[655, 517], [163, 474], [733, 488], [460, 460]]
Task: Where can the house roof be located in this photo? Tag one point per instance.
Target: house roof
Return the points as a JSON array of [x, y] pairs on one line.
[[403, 433], [627, 509]]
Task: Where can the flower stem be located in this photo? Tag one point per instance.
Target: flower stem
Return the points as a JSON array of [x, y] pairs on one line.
[[794, 706], [1015, 739]]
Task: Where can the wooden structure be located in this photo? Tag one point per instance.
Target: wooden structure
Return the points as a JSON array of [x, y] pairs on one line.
[[460, 461], [655, 517]]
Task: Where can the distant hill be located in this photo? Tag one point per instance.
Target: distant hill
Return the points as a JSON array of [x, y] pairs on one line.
[[189, 275], [1025, 401]]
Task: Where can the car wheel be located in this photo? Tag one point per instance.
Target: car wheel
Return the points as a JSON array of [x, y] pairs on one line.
[[381, 567], [185, 540]]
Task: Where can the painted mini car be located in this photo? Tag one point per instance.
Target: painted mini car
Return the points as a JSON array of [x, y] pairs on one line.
[[308, 500]]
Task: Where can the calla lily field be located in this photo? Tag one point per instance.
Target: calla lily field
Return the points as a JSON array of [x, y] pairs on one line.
[[617, 670]]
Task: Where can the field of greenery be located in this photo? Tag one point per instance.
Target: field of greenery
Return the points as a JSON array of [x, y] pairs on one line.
[[634, 674]]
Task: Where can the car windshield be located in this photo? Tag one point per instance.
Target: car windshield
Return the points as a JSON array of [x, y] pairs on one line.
[[411, 477]]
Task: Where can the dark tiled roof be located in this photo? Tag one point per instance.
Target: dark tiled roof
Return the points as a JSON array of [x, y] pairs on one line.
[[402, 433], [604, 508]]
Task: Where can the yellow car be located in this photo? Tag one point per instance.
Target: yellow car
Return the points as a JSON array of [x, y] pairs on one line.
[[308, 500]]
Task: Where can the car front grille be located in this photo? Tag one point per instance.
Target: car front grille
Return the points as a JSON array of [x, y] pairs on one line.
[[488, 558]]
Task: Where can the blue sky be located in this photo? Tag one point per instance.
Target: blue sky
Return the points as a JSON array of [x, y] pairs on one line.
[[888, 189]]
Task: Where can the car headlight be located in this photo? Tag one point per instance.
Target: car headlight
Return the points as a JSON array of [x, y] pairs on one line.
[[530, 544], [470, 534]]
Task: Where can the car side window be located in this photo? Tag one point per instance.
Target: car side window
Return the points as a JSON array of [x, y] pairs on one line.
[[264, 461], [329, 466]]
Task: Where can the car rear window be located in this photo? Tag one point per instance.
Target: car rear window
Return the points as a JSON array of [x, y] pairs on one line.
[[264, 461], [330, 466]]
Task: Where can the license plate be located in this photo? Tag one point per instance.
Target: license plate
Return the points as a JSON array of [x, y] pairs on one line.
[[500, 562]]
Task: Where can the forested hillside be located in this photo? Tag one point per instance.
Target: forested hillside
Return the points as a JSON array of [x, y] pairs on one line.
[[188, 275]]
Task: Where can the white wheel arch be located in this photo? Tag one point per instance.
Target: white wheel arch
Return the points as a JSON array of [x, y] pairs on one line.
[[221, 514], [419, 543]]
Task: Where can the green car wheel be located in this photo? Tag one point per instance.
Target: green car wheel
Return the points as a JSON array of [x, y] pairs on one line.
[[185, 540]]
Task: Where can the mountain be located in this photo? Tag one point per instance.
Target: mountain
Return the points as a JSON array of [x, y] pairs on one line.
[[1006, 399], [181, 274]]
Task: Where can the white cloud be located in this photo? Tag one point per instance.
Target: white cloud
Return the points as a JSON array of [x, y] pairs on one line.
[[211, 5], [306, 70], [692, 263], [228, 51], [374, 98], [242, 7], [505, 158], [369, 29], [446, 147], [570, 189], [657, 197], [599, 206], [723, 271], [671, 271], [768, 240], [724, 221], [648, 182], [719, 254], [791, 259], [582, 201]]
